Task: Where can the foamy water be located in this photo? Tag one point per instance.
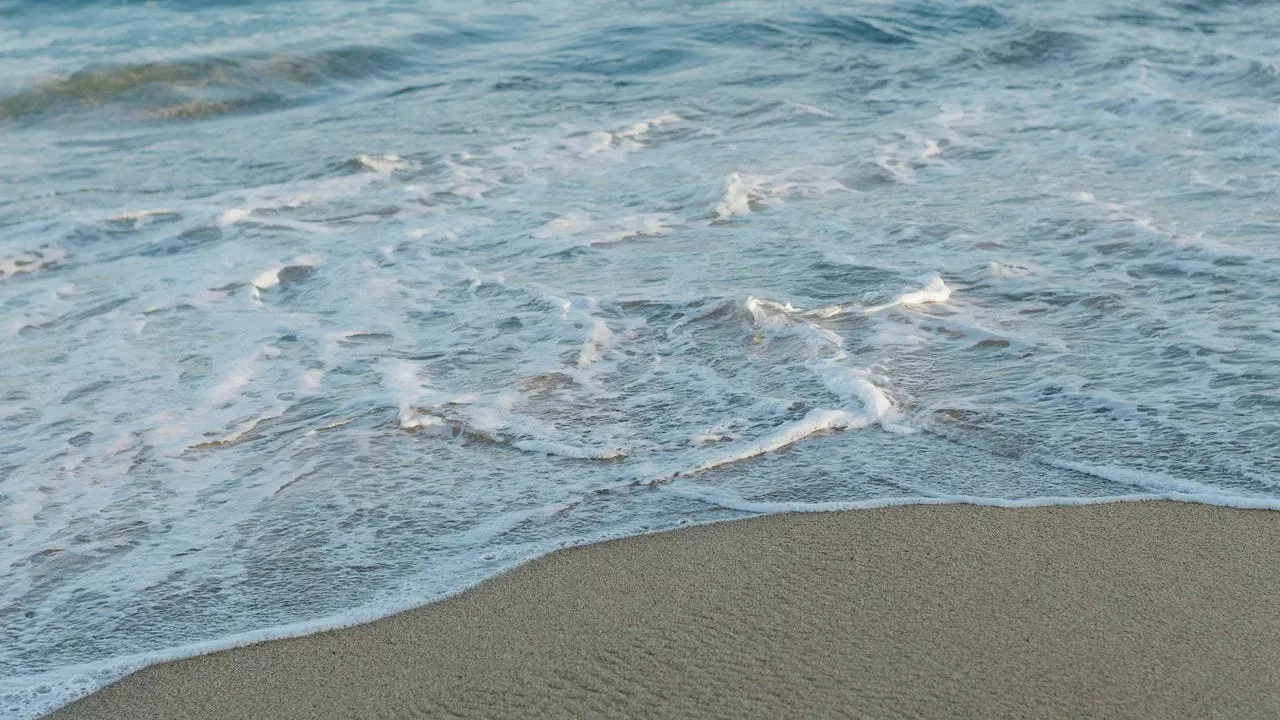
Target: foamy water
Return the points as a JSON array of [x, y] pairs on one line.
[[312, 311]]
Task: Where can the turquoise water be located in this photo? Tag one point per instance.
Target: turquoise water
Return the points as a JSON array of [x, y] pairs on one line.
[[312, 311]]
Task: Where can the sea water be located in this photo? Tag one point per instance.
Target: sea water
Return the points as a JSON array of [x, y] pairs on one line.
[[312, 310]]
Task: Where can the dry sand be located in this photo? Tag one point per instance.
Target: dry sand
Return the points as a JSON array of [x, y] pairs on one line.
[[1137, 610]]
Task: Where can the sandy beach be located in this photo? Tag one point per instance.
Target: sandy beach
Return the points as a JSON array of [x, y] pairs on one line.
[[1134, 610]]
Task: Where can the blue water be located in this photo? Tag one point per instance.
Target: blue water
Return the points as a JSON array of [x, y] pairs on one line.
[[311, 311]]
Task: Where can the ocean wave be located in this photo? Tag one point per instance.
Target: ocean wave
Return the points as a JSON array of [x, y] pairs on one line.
[[200, 88]]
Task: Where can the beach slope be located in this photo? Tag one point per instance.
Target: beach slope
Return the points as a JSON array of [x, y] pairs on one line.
[[1135, 610]]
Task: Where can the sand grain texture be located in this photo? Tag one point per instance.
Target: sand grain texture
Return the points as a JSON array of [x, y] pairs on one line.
[[1135, 610]]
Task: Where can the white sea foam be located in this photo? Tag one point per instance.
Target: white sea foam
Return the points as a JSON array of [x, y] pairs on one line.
[[740, 191], [310, 381], [31, 261], [935, 291], [238, 376], [297, 268], [803, 109], [571, 224], [855, 388], [782, 317], [227, 218], [550, 447], [1149, 481], [383, 164], [599, 338], [141, 217], [410, 390], [580, 228], [626, 140], [815, 421], [1007, 270]]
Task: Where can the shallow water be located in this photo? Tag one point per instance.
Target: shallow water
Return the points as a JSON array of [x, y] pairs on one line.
[[310, 311]]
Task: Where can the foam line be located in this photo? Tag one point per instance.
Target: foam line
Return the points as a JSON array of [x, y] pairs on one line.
[[768, 508]]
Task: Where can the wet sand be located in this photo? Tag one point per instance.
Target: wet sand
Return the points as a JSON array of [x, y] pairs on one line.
[[1134, 610]]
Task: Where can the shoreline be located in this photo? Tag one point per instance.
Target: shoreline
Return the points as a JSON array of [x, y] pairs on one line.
[[1136, 609]]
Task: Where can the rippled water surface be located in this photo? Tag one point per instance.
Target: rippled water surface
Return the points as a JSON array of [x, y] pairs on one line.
[[311, 310]]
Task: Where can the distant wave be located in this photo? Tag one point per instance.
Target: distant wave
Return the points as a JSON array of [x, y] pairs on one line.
[[202, 87]]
